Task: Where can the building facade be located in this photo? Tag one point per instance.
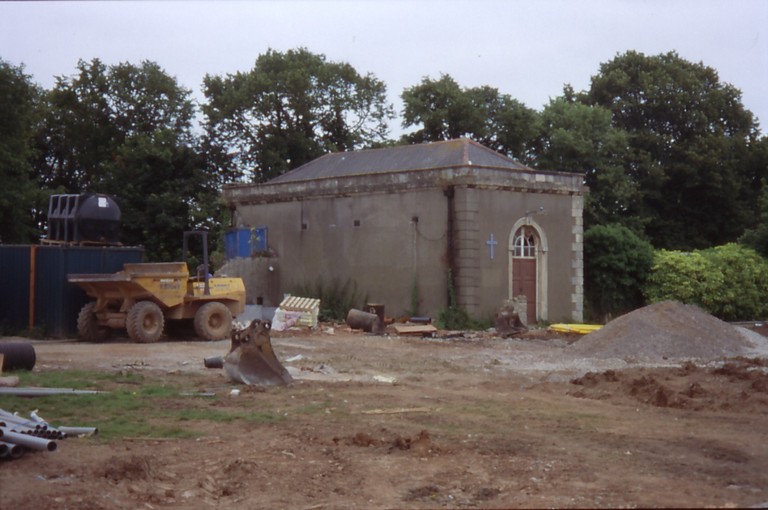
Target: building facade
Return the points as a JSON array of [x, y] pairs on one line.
[[411, 226]]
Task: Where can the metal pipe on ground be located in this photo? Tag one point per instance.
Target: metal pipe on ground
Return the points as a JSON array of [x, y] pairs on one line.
[[11, 450], [368, 322], [214, 362], [45, 392], [31, 442], [35, 418], [13, 422], [17, 356], [79, 431], [36, 427], [5, 415]]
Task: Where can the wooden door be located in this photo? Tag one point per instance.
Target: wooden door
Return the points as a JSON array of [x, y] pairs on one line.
[[524, 271]]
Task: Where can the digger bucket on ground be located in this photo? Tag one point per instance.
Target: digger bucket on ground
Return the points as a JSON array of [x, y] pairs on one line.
[[251, 359]]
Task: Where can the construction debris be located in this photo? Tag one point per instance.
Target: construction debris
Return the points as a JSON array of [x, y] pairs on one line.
[[507, 321], [296, 311], [17, 356], [251, 359], [33, 391], [668, 330], [576, 329], [9, 381], [366, 321], [427, 330], [19, 435]]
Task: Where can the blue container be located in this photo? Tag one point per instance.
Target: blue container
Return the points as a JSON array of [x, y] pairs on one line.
[[245, 242]]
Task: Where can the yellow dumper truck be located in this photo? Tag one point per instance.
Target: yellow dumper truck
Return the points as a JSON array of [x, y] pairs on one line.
[[143, 296]]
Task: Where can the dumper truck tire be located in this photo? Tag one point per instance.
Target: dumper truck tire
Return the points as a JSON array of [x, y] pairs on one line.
[[213, 321], [145, 322], [88, 324]]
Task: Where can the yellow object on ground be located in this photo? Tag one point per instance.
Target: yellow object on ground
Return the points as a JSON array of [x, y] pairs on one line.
[[579, 329]]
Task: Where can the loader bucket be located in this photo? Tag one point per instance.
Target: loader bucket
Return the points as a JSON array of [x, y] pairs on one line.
[[251, 359]]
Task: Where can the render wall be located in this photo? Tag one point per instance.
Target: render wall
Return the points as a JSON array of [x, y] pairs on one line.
[[392, 246], [484, 281], [395, 247]]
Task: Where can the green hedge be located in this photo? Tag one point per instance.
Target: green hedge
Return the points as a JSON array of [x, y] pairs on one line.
[[729, 281]]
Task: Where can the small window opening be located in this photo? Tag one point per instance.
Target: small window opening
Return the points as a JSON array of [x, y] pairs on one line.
[[524, 244]]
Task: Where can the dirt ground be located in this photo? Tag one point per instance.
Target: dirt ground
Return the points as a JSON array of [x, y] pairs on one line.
[[472, 421]]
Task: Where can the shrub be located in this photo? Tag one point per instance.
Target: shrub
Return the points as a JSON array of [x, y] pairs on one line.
[[729, 281], [744, 291], [616, 264], [688, 277], [455, 317]]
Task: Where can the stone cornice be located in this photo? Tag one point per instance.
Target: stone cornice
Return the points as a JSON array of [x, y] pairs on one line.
[[474, 176]]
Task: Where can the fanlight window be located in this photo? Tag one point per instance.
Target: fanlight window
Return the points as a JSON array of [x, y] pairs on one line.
[[524, 244]]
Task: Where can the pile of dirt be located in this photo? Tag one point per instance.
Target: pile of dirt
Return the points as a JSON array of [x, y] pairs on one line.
[[740, 384], [667, 330]]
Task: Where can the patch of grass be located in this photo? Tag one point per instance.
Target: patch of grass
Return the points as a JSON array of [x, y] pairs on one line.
[[313, 408], [132, 405], [75, 379], [217, 415]]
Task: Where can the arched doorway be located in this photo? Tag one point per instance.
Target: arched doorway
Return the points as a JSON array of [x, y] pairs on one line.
[[527, 268]]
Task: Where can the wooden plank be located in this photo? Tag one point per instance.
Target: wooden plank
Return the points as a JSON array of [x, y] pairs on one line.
[[401, 410], [417, 330], [299, 304]]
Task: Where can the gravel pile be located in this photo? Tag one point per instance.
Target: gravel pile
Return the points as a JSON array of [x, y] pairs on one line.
[[669, 330]]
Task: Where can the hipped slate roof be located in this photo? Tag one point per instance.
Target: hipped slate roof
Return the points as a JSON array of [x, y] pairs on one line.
[[459, 162], [405, 158]]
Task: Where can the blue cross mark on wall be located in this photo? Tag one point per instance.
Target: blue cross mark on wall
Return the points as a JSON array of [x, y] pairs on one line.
[[491, 243]]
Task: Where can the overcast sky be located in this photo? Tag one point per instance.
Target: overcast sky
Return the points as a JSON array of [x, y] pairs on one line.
[[527, 49]]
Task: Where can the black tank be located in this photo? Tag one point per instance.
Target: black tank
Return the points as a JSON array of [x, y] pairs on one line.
[[83, 219]]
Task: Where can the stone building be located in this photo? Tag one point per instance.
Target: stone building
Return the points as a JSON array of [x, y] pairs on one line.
[[396, 222]]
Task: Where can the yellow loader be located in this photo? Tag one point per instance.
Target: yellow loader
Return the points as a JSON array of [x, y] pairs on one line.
[[143, 296]]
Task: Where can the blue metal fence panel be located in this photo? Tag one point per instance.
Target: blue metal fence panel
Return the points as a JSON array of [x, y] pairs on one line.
[[14, 282], [56, 301]]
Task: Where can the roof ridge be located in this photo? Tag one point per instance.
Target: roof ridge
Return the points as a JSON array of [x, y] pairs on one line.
[[498, 154]]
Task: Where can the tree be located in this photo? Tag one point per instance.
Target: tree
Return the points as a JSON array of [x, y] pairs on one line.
[[19, 115], [126, 130], [616, 265], [757, 238], [96, 111], [445, 111], [79, 132], [163, 191], [288, 110], [580, 138], [689, 137]]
